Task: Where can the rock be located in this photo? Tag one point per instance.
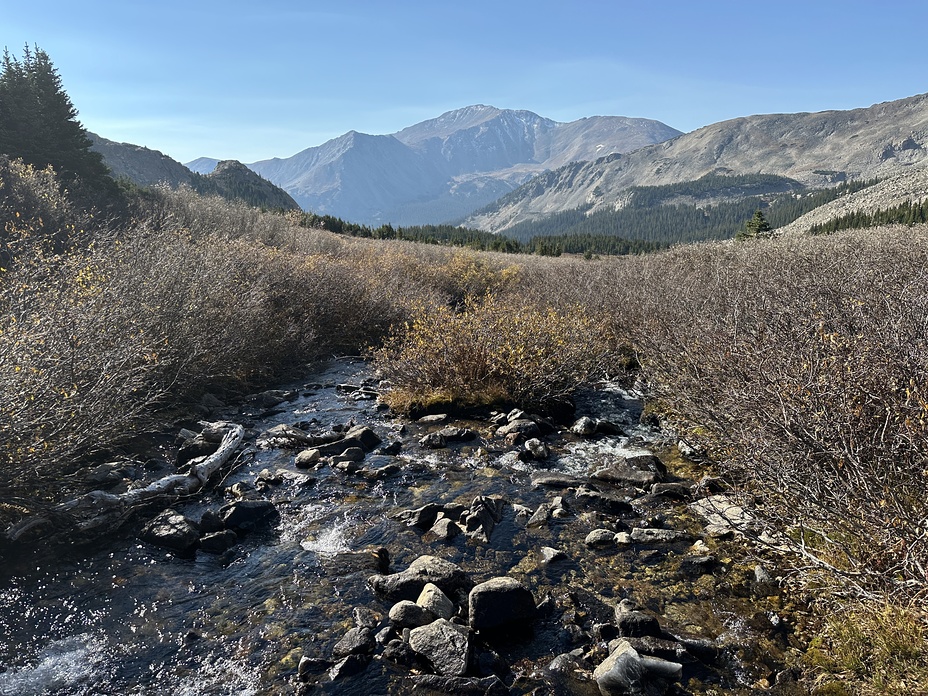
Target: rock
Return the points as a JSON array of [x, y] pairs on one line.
[[499, 603], [358, 641], [482, 517], [523, 427], [408, 584], [452, 434], [393, 449], [626, 673], [607, 503], [197, 447], [211, 522], [600, 538], [537, 449], [605, 427], [433, 419], [694, 566], [307, 458], [249, 514], [553, 480], [674, 491], [437, 602], [725, 514], [647, 462], [445, 645], [556, 508], [621, 475], [444, 529], [309, 666], [285, 436], [551, 555], [351, 454], [634, 623], [433, 441], [367, 438], [365, 618], [109, 474], [584, 427], [457, 686], [171, 530], [398, 652], [407, 614], [218, 542], [657, 536], [349, 666], [423, 517]]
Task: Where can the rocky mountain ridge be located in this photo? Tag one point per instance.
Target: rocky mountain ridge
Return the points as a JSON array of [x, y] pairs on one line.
[[444, 168], [817, 149], [229, 179]]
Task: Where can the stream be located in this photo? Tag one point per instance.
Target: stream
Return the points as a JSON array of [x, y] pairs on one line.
[[128, 617]]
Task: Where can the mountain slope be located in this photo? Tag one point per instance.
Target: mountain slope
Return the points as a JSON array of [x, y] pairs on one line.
[[816, 149], [443, 168], [140, 165]]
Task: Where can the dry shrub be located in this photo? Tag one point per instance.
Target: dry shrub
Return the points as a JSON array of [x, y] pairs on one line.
[[491, 351], [805, 364]]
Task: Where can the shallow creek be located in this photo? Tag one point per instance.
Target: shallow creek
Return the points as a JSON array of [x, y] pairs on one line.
[[126, 617]]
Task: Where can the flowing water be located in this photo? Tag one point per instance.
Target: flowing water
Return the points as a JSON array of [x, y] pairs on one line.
[[125, 617]]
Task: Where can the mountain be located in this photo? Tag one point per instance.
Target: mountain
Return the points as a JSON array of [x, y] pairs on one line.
[[815, 149], [202, 165], [444, 168], [140, 165], [229, 179]]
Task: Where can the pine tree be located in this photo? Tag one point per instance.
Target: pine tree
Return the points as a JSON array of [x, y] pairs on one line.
[[757, 226], [38, 122]]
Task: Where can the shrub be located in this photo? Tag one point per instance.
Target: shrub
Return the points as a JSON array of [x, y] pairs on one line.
[[492, 351]]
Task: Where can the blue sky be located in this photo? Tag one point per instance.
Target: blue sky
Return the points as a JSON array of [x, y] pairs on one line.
[[253, 80]]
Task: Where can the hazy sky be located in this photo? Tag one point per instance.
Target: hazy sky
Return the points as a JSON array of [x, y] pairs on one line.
[[252, 80]]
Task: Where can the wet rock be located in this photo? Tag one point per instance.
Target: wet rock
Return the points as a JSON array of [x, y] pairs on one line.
[[267, 477], [551, 555], [445, 645], [433, 419], [584, 427], [408, 584], [620, 475], [393, 449], [674, 491], [457, 686], [423, 517], [211, 522], [108, 475], [452, 434], [537, 449], [307, 458], [608, 503], [379, 467], [349, 666], [311, 666], [358, 641], [284, 436], [271, 398], [400, 653], [436, 602], [626, 673], [444, 529], [634, 623], [694, 566], [249, 514], [171, 530], [367, 438], [433, 441], [522, 427], [657, 536], [554, 480], [605, 427], [482, 517], [500, 602], [197, 447], [350, 454], [600, 538], [407, 614], [647, 462], [218, 542], [365, 618]]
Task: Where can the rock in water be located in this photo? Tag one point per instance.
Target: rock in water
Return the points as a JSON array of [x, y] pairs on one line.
[[626, 673], [445, 645], [171, 530], [500, 603]]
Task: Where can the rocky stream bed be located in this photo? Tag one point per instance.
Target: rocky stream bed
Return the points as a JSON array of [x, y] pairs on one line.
[[346, 551]]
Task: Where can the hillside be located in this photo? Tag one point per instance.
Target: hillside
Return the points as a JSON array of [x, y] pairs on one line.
[[229, 179], [444, 168], [815, 149]]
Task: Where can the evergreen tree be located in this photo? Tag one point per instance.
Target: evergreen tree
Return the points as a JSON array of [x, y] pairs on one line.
[[757, 226], [38, 122]]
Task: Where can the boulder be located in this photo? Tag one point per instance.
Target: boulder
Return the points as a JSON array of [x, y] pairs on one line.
[[600, 538], [307, 458], [457, 686], [501, 602], [285, 436], [433, 441], [437, 602], [444, 529], [358, 641], [537, 449], [634, 623], [523, 427], [445, 645], [657, 536], [218, 542], [408, 584], [171, 530], [407, 614], [249, 514], [626, 673], [620, 475]]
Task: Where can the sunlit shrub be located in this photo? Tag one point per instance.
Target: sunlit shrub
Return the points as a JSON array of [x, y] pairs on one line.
[[492, 351]]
